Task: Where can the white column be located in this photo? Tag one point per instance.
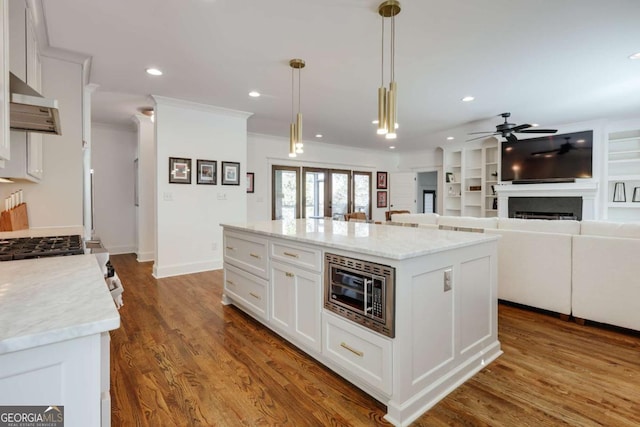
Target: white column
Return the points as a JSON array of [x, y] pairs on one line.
[[145, 211]]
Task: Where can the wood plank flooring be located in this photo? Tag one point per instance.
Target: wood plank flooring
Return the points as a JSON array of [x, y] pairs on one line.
[[181, 358]]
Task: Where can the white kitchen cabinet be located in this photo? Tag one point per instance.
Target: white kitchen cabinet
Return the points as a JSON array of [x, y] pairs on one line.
[[296, 304], [247, 252], [246, 289], [5, 144], [365, 354], [26, 151]]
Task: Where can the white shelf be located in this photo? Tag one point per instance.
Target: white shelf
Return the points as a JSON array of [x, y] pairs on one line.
[[613, 153], [473, 205], [631, 205], [633, 138], [625, 161], [624, 178], [492, 163], [491, 210]]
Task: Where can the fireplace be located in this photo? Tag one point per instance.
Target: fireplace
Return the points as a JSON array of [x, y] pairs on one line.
[[545, 208], [582, 192]]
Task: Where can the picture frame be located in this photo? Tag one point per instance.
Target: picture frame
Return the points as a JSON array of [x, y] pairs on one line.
[[381, 198], [381, 180], [230, 173], [250, 182], [207, 172], [449, 177], [179, 170]]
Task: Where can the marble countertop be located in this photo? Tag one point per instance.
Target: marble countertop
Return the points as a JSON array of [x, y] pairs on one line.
[[387, 241], [48, 300], [42, 232]]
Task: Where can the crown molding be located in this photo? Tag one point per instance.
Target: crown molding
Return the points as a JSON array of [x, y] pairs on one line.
[[173, 102]]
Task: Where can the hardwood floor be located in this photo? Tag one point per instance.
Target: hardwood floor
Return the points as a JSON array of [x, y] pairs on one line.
[[181, 358]]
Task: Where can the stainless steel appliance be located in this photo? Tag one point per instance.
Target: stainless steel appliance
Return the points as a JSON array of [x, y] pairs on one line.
[[361, 291]]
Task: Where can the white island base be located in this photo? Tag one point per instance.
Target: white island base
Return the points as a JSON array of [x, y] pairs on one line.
[[444, 333]]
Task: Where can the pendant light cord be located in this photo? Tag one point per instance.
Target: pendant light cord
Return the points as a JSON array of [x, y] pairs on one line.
[[299, 84], [393, 48], [382, 51], [292, 98]]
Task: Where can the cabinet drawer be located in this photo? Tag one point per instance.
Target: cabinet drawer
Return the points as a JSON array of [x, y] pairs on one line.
[[246, 289], [360, 352], [302, 256], [247, 252]]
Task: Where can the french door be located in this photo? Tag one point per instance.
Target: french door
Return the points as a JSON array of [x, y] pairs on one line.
[[326, 192], [286, 193]]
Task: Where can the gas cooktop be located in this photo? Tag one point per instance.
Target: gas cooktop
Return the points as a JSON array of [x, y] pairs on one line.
[[38, 247]]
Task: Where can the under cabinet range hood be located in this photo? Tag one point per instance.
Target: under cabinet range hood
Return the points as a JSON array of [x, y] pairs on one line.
[[29, 111]]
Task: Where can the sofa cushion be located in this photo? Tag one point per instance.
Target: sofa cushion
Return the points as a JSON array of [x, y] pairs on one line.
[[629, 230], [426, 218], [540, 225], [467, 222]]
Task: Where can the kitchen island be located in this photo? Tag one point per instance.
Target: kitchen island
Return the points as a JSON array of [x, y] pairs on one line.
[[55, 314], [444, 314]]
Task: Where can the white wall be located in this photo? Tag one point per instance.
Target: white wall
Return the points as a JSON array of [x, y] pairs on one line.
[[145, 211], [265, 151], [113, 150], [188, 232], [56, 201]]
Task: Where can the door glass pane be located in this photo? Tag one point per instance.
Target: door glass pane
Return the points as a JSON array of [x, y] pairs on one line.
[[314, 194], [285, 194], [362, 193], [429, 200], [339, 194]]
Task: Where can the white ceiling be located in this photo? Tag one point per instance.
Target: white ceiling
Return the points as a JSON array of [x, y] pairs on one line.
[[545, 61]]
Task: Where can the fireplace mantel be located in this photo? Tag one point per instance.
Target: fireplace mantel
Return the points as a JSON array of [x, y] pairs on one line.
[[585, 189]]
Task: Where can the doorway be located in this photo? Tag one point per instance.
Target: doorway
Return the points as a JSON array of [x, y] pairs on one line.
[[427, 191]]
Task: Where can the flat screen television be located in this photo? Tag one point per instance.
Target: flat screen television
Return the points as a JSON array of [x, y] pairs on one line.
[[548, 159]]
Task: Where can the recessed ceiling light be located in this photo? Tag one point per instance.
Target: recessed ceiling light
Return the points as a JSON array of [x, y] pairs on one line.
[[635, 56], [580, 141], [393, 147], [154, 71], [534, 125], [508, 149], [449, 138], [254, 94], [318, 135], [468, 99], [375, 122]]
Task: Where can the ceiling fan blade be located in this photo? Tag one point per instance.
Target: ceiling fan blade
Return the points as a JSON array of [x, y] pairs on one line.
[[538, 131], [487, 131], [481, 137], [511, 138], [519, 128], [544, 152]]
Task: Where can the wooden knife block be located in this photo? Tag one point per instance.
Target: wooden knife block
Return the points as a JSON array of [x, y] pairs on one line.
[[14, 219]]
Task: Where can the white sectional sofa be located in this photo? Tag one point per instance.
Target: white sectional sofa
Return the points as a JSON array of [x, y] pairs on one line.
[[587, 269], [606, 273]]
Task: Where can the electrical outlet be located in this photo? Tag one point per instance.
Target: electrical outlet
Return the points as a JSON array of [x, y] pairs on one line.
[[447, 279], [167, 196]]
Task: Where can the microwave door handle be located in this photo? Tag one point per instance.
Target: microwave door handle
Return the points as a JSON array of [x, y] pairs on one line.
[[367, 286]]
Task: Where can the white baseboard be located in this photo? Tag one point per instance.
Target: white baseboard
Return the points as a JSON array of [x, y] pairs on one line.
[[145, 256], [118, 250], [179, 269]]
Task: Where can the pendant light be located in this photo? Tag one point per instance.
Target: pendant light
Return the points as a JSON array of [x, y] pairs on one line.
[[295, 128], [387, 98]]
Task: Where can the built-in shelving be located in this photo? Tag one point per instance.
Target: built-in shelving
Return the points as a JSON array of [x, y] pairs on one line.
[[623, 169]]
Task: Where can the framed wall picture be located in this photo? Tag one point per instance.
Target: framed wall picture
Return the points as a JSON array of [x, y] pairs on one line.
[[179, 170], [382, 199], [230, 173], [381, 181], [207, 172], [250, 178]]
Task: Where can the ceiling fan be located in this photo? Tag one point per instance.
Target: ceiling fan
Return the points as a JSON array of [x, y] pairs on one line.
[[507, 130]]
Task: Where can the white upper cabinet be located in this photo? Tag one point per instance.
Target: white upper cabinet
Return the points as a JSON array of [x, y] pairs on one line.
[[5, 144]]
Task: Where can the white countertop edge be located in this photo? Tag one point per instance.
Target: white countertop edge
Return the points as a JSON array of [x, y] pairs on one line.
[[25, 342], [480, 238]]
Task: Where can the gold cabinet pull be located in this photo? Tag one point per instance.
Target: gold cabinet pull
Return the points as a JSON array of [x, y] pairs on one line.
[[354, 351], [255, 255], [289, 274], [256, 296], [291, 255], [231, 248], [229, 282]]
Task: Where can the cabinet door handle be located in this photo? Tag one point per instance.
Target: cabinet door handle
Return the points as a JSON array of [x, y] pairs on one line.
[[255, 255], [289, 274], [352, 350], [256, 296], [291, 255], [229, 282], [231, 248]]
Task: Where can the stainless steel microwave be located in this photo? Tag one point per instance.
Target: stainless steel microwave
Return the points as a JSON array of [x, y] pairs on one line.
[[361, 291]]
